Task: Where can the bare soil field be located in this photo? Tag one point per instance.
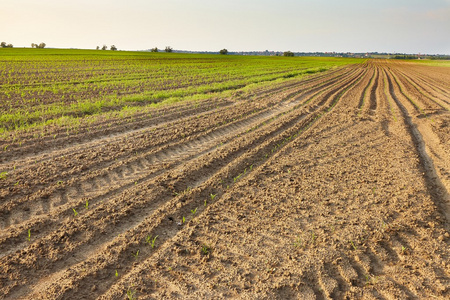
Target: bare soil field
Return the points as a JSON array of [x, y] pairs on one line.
[[333, 187]]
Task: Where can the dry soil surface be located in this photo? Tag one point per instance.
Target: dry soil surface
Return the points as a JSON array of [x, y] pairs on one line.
[[331, 187]]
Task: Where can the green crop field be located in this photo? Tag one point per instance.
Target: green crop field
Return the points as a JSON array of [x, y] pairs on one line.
[[41, 87], [431, 62]]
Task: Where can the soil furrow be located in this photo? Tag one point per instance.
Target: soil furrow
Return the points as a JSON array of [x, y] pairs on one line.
[[329, 103], [436, 188], [132, 172], [330, 187], [312, 119], [424, 89]]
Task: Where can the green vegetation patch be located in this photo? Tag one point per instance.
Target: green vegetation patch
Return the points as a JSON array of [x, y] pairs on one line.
[[53, 86]]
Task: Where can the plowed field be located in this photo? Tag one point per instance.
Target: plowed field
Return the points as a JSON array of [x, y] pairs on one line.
[[332, 187]]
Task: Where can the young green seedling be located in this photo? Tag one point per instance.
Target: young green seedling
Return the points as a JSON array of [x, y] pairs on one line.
[[131, 294], [151, 241], [193, 211], [353, 245], [313, 237], [136, 255], [205, 249], [184, 219], [117, 274], [75, 213], [87, 204], [298, 242], [213, 196], [29, 235]]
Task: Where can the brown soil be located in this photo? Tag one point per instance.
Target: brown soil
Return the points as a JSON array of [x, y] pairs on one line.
[[334, 187]]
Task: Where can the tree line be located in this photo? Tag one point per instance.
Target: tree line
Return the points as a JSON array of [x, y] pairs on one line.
[[41, 45], [4, 45], [112, 48], [33, 45]]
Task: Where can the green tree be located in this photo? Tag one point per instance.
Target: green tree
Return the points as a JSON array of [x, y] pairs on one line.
[[288, 53], [154, 49], [223, 51], [113, 48], [104, 47], [168, 49], [3, 45]]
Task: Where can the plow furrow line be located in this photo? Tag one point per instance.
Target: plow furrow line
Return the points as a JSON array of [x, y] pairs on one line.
[[96, 165], [442, 103], [434, 184], [94, 189], [291, 119], [32, 159], [283, 140], [140, 120], [364, 93]]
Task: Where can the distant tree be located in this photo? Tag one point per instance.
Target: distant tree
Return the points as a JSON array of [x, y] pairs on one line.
[[223, 51], [33, 45], [3, 45], [42, 45], [9, 46], [104, 47], [98, 48], [113, 48], [168, 49], [288, 53], [154, 49]]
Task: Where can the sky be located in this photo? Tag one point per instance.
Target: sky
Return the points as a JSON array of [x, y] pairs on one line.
[[394, 26]]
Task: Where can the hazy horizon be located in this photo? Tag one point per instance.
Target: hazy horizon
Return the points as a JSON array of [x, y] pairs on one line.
[[396, 26]]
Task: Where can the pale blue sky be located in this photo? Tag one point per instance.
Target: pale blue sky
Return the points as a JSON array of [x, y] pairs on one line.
[[239, 25]]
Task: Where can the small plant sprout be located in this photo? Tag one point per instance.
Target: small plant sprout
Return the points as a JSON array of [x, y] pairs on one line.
[[3, 175], [136, 255], [29, 235], [403, 250], [353, 245], [131, 294], [205, 203], [371, 279], [75, 213], [87, 204], [193, 211], [205, 249], [313, 237], [298, 242], [117, 274], [212, 196], [184, 220], [151, 241]]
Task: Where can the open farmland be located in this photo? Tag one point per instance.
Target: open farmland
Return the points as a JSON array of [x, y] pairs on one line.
[[147, 176]]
